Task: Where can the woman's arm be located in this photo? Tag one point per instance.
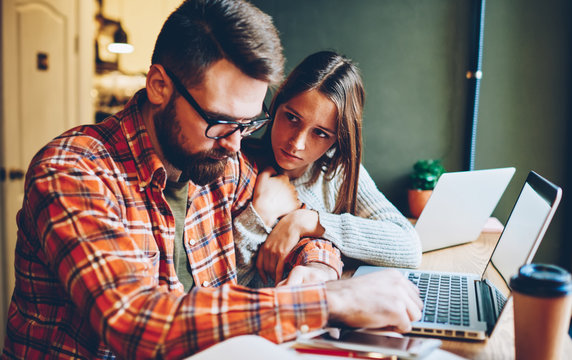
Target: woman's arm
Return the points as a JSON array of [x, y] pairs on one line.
[[273, 198], [249, 234], [283, 238], [379, 234]]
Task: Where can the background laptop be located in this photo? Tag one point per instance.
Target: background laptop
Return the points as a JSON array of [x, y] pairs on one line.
[[460, 205], [460, 305]]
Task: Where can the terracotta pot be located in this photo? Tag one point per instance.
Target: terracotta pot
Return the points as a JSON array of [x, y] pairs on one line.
[[417, 200]]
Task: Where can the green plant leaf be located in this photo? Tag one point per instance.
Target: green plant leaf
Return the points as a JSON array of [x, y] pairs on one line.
[[426, 173]]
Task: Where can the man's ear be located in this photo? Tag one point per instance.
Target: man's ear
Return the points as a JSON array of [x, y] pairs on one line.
[[159, 86]]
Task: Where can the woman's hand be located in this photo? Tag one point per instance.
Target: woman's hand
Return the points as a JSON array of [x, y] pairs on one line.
[[274, 196], [283, 238], [310, 273]]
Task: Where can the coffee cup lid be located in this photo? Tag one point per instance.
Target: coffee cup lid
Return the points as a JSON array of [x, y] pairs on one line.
[[542, 280]]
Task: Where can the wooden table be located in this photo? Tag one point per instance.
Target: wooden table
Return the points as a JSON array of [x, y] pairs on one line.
[[472, 258]]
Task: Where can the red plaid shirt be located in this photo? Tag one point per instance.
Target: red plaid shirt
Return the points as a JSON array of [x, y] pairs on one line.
[[94, 258]]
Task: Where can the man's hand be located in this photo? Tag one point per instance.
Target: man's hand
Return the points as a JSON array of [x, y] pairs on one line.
[[310, 273], [381, 299], [283, 238], [274, 196]]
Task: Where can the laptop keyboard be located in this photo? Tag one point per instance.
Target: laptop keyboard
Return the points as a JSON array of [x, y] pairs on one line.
[[445, 298], [501, 301]]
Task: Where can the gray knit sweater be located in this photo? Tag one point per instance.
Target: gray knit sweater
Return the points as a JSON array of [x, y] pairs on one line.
[[379, 234]]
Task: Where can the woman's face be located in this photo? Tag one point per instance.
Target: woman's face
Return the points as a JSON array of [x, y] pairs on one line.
[[304, 128]]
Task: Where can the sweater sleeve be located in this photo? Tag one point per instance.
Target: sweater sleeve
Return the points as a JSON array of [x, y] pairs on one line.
[[379, 234], [249, 233]]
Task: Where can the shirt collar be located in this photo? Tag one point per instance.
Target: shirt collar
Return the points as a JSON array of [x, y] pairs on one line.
[[148, 165]]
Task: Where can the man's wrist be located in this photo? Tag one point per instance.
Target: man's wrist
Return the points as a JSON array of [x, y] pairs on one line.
[[335, 301]]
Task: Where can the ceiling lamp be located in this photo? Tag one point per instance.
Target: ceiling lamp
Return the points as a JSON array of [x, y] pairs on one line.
[[120, 44]]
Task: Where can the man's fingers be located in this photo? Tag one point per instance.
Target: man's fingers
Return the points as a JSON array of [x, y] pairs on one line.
[[411, 300], [398, 315], [413, 309], [414, 295], [413, 292], [403, 323], [410, 306]]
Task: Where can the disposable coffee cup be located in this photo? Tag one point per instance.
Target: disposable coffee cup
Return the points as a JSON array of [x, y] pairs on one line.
[[542, 300]]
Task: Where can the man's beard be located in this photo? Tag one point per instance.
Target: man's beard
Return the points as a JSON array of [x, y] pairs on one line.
[[201, 168]]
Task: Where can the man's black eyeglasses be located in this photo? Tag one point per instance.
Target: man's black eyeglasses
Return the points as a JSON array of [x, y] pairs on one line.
[[219, 129]]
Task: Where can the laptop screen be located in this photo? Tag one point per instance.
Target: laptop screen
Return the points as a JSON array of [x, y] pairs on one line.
[[523, 232]]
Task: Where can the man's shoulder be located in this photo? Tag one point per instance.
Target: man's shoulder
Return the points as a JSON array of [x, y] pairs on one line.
[[92, 142]]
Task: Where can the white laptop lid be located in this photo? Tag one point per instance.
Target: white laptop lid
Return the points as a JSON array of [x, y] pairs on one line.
[[524, 230], [460, 205]]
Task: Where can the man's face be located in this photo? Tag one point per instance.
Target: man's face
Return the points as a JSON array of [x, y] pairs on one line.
[[225, 93], [201, 167]]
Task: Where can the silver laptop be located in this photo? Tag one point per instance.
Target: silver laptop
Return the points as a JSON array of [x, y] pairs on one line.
[[460, 205], [461, 305]]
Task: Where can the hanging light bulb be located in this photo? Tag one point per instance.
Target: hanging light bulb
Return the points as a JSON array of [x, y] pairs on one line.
[[120, 44]]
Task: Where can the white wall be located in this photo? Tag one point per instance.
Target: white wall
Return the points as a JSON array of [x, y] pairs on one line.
[[142, 20]]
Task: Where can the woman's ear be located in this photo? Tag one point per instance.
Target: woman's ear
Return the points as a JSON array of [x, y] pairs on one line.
[[158, 85]]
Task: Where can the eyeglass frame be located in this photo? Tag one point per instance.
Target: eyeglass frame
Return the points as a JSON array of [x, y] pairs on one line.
[[257, 123]]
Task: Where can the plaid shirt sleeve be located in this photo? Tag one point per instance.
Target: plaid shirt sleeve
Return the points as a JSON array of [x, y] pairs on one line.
[[114, 280], [310, 250], [316, 250]]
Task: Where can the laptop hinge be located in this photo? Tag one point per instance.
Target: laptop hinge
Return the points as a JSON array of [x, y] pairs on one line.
[[485, 305]]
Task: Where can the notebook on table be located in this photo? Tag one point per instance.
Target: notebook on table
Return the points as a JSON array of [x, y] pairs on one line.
[[460, 205], [462, 305]]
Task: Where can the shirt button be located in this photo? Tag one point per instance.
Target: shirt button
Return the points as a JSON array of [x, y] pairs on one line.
[[205, 283], [192, 242], [304, 328]]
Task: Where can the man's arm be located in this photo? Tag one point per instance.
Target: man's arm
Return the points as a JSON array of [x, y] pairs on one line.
[[114, 280]]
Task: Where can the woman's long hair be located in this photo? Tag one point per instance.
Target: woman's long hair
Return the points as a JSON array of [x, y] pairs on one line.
[[336, 77]]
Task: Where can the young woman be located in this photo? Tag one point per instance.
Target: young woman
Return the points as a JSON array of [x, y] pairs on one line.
[[314, 144]]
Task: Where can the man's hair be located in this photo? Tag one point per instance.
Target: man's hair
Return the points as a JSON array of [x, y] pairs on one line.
[[201, 32], [339, 79]]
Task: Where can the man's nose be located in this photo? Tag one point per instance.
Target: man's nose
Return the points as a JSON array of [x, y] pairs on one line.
[[231, 142]]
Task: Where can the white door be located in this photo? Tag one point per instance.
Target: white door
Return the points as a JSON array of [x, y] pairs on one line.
[[47, 65]]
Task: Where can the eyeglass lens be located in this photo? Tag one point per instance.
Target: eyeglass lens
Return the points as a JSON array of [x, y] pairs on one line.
[[221, 130]]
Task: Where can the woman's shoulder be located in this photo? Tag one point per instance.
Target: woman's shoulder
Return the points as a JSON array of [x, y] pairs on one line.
[[363, 173]]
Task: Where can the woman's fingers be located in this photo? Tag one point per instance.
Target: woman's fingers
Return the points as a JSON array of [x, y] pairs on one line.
[[260, 267], [268, 172], [279, 269]]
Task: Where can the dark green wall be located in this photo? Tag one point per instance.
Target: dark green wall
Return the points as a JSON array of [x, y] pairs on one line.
[[413, 55], [525, 109]]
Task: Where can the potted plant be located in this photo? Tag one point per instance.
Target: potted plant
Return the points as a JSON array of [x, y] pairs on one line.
[[423, 179]]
